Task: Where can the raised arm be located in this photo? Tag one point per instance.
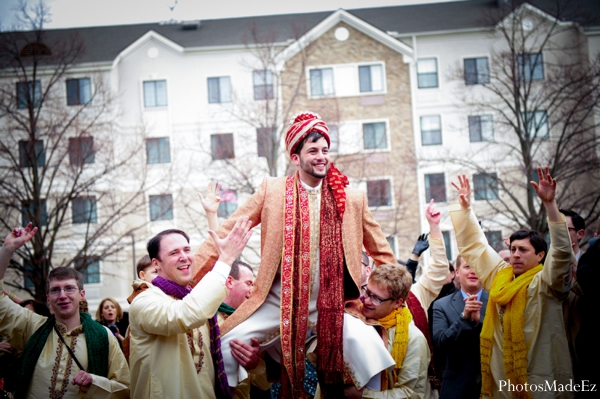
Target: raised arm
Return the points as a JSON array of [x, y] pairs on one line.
[[210, 203], [429, 285], [15, 240], [546, 191]]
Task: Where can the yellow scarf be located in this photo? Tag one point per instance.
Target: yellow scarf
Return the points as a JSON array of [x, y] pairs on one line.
[[510, 292], [400, 318]]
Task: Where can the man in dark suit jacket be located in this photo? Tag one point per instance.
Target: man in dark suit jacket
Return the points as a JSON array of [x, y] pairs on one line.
[[457, 322]]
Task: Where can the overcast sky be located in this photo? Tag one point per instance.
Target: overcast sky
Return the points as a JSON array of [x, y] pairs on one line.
[[72, 13]]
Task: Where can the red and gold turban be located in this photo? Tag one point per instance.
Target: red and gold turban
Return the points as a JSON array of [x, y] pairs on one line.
[[303, 124]]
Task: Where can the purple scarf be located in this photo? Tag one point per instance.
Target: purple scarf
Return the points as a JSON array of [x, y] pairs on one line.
[[222, 389]]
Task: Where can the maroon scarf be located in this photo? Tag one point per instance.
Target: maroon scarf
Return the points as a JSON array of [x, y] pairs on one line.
[[222, 389]]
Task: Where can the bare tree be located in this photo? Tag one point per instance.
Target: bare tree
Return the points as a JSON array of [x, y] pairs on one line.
[[61, 166], [541, 90]]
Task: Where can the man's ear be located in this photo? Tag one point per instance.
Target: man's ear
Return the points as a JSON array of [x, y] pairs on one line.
[[580, 234], [82, 294], [398, 303], [295, 159], [229, 282], [540, 256]]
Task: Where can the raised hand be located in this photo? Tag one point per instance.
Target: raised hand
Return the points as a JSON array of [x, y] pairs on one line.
[[19, 236], [210, 202], [421, 245], [546, 189], [464, 191], [231, 247], [432, 214]]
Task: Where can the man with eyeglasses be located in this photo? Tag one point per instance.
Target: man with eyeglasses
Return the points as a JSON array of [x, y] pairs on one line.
[[576, 226], [384, 306], [66, 355]]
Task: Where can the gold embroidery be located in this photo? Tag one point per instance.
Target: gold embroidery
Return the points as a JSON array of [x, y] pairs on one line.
[[53, 393], [190, 338]]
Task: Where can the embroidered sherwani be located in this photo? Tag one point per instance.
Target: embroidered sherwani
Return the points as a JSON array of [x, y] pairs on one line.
[[170, 340], [548, 357], [55, 368], [266, 207]]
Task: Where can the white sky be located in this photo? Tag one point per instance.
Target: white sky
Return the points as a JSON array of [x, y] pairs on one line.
[[72, 13]]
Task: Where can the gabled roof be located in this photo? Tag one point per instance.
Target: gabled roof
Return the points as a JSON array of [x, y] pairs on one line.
[[105, 43]]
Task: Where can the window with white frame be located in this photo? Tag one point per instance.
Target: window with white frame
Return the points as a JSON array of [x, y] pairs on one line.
[[79, 91], [90, 268], [263, 84], [375, 136], [222, 146], [370, 78], [228, 203], [476, 71], [29, 209], [447, 244], [431, 130], [379, 192], [435, 187], [392, 241], [485, 186], [158, 150], [334, 137], [481, 128], [81, 150], [29, 93], [321, 82], [161, 207], [531, 67], [31, 153], [84, 210], [219, 90], [427, 73], [535, 124], [494, 238], [155, 93]]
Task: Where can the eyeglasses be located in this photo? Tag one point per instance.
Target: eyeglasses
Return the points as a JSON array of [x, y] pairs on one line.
[[374, 299], [70, 290], [572, 228]]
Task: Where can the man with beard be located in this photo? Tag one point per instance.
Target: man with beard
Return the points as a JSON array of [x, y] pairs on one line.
[[313, 230]]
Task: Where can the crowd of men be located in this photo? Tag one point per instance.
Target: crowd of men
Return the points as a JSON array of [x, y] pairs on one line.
[[331, 312]]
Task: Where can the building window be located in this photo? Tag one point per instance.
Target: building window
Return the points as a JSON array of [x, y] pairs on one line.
[[155, 93], [494, 238], [263, 85], [531, 67], [374, 136], [392, 241], [79, 91], [334, 137], [370, 78], [228, 203], [427, 73], [264, 141], [29, 93], [476, 71], [81, 150], [379, 193], [84, 210], [485, 186], [161, 207], [435, 187], [158, 150], [447, 244], [431, 130], [321, 82], [90, 268], [28, 213], [32, 153], [222, 146], [481, 128], [535, 124], [219, 90]]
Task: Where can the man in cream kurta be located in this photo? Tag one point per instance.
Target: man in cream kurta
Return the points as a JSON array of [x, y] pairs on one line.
[[170, 341], [55, 374], [548, 358]]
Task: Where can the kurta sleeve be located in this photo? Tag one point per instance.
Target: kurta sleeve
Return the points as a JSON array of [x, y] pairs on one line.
[[116, 385], [412, 378], [556, 273], [473, 245], [172, 317], [373, 239], [429, 285], [16, 322]]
